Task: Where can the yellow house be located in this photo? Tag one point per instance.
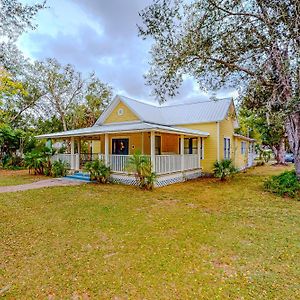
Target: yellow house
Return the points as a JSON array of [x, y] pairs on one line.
[[183, 141]]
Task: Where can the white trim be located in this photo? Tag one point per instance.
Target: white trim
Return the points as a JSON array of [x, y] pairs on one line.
[[106, 113], [218, 141]]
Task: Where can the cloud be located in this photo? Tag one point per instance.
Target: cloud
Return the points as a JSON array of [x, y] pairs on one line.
[[99, 36]]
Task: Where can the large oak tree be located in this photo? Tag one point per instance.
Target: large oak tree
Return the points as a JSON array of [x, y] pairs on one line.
[[229, 42]]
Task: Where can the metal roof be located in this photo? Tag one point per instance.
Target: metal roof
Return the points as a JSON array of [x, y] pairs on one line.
[[123, 127], [186, 113]]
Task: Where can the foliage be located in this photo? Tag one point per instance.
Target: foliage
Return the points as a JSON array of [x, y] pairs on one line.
[[39, 161], [224, 169], [142, 168], [229, 43], [59, 168], [264, 154], [285, 184], [15, 18], [98, 170]]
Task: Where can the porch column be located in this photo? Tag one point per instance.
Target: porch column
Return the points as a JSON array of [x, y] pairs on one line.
[[182, 151], [106, 149], [152, 149], [199, 151], [72, 154]]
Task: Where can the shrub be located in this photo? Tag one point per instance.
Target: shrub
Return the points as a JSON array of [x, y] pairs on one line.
[[39, 161], [98, 170], [59, 168], [285, 184], [141, 166], [224, 169]]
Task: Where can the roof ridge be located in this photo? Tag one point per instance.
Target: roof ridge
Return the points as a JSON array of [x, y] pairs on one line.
[[172, 105]]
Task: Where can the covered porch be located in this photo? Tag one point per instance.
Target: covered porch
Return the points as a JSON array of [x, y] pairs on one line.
[[170, 149]]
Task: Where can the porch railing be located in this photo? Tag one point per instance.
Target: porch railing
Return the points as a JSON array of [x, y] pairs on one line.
[[164, 164], [167, 163], [191, 161]]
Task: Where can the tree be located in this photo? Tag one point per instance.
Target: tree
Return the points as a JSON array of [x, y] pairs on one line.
[[267, 123], [61, 87], [15, 18], [97, 96], [229, 43]]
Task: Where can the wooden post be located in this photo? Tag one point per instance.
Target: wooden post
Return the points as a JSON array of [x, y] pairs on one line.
[[152, 152], [182, 151], [106, 149], [72, 154], [199, 150]]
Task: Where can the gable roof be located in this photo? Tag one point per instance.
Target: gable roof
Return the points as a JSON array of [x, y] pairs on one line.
[[179, 114]]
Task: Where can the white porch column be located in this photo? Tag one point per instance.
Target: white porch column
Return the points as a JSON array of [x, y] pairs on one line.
[[72, 154], [182, 151], [106, 149], [199, 151], [152, 149]]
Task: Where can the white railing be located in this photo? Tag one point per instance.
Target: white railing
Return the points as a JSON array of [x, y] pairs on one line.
[[71, 159], [191, 161], [118, 163], [167, 163]]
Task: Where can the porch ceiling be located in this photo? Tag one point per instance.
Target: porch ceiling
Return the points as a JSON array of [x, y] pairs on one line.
[[129, 127]]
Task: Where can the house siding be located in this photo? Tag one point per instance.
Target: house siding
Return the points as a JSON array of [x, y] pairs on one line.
[[241, 160], [210, 143], [128, 115]]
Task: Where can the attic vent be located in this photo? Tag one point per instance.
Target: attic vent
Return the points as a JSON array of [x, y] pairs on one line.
[[120, 112]]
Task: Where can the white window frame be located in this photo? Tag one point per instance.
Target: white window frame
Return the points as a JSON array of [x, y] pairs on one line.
[[227, 150], [243, 147]]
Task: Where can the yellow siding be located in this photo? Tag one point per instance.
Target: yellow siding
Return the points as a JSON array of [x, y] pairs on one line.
[[210, 143], [241, 160], [227, 131], [127, 115]]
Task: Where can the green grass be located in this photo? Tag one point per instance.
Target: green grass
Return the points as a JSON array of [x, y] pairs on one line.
[[198, 240], [10, 177]]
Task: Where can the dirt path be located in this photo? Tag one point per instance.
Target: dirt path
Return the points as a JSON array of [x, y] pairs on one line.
[[39, 184]]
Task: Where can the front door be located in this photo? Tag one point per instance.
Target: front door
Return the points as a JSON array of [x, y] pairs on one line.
[[120, 146]]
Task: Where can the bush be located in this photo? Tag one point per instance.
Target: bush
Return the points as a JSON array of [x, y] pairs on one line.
[[59, 168], [224, 169], [39, 161], [98, 170], [142, 168], [285, 184]]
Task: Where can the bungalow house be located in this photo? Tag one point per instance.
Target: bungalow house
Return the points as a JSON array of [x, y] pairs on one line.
[[183, 141]]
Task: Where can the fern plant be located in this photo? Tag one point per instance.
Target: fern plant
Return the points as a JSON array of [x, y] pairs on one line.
[[98, 170], [224, 169]]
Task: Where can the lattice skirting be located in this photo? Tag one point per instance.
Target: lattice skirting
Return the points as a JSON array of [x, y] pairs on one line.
[[162, 180]]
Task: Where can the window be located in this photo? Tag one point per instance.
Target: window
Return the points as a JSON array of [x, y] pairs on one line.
[[243, 147], [157, 145], [190, 146], [120, 112], [226, 148]]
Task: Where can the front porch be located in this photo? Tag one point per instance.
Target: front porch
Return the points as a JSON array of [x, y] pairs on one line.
[[175, 154]]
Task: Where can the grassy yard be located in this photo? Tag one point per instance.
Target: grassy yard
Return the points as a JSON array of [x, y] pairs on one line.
[[197, 240], [8, 177]]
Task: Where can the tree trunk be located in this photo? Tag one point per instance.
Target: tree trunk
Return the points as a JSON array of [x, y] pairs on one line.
[[279, 151], [292, 126]]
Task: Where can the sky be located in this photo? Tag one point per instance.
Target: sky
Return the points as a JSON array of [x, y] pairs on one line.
[[101, 36]]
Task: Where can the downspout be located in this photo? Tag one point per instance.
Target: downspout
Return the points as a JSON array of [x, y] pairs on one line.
[[218, 141]]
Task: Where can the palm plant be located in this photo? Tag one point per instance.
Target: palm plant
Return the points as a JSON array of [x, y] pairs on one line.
[[224, 169], [98, 170], [59, 168], [39, 161], [141, 166]]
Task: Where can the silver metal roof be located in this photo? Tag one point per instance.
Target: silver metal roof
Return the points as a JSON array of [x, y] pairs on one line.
[[186, 113], [123, 127]]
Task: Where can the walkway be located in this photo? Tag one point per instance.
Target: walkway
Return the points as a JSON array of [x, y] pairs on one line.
[[40, 184]]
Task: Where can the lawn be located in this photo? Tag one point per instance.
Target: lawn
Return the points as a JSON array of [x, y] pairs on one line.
[[201, 239], [10, 177]]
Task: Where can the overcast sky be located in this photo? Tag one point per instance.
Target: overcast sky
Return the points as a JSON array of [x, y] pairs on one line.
[[100, 36]]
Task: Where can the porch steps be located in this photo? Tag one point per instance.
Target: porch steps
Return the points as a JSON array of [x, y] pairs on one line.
[[80, 176]]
